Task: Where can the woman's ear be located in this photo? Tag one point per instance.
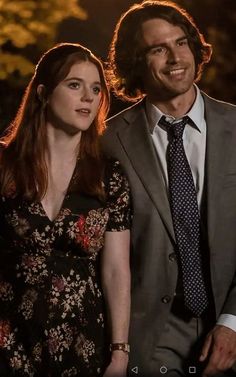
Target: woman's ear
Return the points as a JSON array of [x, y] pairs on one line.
[[41, 92]]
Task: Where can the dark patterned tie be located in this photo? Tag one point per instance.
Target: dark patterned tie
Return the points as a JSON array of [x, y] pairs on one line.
[[186, 220]]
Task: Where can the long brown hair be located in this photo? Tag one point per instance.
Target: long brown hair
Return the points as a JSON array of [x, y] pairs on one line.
[[24, 146], [126, 58]]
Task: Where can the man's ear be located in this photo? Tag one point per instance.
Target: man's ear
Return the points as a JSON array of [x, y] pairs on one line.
[[41, 92]]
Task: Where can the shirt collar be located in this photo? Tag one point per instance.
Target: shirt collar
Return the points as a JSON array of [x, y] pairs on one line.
[[196, 113]]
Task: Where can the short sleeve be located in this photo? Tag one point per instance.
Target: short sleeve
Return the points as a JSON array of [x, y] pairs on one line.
[[118, 198]]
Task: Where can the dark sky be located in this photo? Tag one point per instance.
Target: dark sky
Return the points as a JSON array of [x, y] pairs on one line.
[[96, 32]]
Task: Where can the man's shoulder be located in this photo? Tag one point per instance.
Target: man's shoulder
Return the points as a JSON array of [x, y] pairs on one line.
[[218, 105], [120, 123], [125, 116]]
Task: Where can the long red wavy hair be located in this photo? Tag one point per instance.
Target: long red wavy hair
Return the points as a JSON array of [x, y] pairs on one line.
[[24, 145]]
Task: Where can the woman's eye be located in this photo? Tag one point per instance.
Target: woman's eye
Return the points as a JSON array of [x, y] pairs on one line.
[[74, 85], [96, 89]]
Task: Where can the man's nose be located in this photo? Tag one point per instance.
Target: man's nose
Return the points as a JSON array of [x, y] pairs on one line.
[[173, 55]]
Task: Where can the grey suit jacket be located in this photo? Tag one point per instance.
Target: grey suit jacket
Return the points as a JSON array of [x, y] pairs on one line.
[[153, 263]]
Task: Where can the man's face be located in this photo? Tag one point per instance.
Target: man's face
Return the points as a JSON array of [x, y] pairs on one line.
[[170, 65]]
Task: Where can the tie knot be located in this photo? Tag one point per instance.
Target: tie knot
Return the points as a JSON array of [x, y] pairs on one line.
[[175, 130]]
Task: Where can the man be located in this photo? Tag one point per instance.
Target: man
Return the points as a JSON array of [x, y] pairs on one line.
[[183, 318]]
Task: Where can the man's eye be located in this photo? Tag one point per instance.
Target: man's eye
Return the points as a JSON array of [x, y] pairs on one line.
[[158, 50], [183, 42]]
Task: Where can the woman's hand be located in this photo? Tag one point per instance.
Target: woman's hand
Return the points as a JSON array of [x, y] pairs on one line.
[[118, 365]]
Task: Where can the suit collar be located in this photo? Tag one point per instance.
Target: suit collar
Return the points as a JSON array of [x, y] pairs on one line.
[[196, 113]]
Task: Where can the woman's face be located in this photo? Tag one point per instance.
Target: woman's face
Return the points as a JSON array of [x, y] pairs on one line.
[[75, 101]]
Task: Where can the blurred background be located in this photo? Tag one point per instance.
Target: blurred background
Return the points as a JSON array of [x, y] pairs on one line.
[[28, 28]]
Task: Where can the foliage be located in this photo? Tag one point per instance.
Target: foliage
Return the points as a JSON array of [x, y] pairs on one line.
[[27, 29]]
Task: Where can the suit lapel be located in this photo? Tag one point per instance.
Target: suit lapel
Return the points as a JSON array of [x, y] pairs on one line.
[[138, 145], [217, 155]]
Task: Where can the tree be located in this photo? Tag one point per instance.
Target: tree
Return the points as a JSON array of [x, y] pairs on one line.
[[27, 29]]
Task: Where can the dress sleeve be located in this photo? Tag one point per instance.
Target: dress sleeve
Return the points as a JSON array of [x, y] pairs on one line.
[[118, 198]]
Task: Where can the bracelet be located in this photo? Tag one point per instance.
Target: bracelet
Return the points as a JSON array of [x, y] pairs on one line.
[[125, 347]]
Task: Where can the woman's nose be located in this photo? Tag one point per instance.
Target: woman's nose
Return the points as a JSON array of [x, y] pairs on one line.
[[87, 95]]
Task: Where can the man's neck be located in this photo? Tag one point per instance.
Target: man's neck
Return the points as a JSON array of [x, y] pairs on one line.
[[177, 106]]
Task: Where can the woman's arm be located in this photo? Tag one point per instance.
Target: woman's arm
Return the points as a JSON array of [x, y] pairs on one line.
[[116, 288]]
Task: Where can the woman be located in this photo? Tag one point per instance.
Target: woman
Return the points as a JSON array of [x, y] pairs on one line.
[[64, 220]]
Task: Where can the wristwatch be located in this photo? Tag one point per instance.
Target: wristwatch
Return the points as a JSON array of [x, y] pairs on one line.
[[125, 347]]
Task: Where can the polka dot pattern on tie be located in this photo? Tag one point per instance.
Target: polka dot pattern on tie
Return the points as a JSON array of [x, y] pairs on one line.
[[186, 219]]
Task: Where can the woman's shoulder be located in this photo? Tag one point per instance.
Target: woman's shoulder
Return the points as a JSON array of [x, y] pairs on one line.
[[118, 199], [113, 166], [112, 162], [115, 177]]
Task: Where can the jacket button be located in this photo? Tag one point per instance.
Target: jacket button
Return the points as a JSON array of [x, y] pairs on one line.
[[166, 299], [172, 257]]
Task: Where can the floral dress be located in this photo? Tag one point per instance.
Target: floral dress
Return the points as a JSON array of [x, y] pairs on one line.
[[52, 315]]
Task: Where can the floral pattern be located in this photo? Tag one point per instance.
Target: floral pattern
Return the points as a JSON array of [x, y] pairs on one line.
[[52, 315]]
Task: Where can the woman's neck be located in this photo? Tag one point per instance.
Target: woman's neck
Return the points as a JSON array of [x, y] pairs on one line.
[[62, 146]]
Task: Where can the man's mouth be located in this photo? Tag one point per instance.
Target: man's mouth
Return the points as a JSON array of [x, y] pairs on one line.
[[176, 72]]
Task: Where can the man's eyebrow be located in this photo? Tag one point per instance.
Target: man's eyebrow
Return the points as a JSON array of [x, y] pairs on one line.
[[162, 44], [154, 45], [182, 38]]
